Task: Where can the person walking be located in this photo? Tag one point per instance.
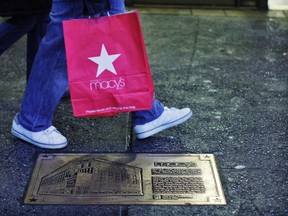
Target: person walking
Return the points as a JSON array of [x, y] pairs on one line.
[[48, 81]]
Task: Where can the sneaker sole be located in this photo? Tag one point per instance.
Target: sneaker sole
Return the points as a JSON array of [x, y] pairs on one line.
[[41, 145], [149, 133]]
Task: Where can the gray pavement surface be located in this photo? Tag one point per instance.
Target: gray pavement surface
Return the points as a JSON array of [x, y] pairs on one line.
[[231, 71]]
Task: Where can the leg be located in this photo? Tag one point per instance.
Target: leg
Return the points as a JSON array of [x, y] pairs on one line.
[[149, 122], [48, 79], [47, 82], [34, 38], [13, 29], [142, 117]]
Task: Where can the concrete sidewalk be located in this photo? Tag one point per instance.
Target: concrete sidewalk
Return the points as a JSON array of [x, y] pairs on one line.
[[231, 71]]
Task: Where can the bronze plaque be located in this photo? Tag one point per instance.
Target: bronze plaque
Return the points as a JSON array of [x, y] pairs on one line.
[[125, 178]]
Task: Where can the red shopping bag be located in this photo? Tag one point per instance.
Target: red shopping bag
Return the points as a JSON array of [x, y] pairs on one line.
[[108, 69]]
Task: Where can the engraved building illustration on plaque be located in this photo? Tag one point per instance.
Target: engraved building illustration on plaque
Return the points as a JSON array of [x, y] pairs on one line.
[[92, 177]]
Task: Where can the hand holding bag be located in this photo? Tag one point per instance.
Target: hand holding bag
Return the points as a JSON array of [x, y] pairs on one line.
[[108, 69]]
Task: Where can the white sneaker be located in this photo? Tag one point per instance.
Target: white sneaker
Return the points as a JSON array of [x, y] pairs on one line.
[[169, 118], [50, 138]]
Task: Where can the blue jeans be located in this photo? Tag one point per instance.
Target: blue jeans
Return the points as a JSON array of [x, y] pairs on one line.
[[16, 27], [48, 79]]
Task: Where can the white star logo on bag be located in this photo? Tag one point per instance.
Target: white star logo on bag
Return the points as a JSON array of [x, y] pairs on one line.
[[105, 61]]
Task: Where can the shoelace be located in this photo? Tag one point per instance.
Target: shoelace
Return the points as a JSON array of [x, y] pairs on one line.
[[50, 130]]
